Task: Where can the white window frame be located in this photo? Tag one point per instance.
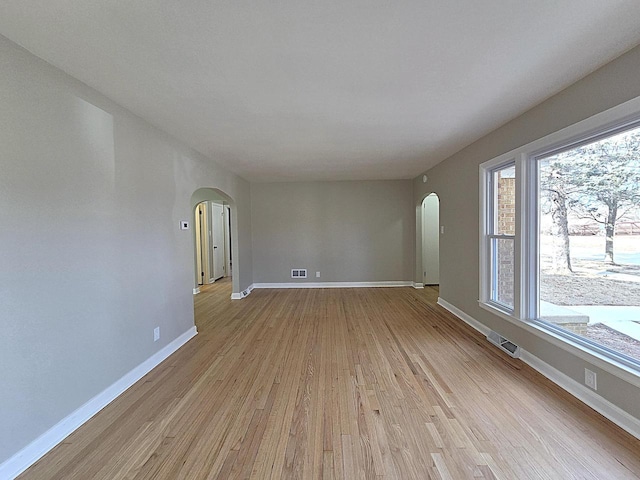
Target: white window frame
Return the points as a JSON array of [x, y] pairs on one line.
[[526, 257], [488, 235]]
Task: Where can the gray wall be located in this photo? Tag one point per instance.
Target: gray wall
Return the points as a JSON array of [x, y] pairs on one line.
[[349, 231], [456, 182], [91, 255]]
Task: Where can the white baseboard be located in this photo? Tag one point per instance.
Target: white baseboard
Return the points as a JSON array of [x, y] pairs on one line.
[[604, 407], [22, 460], [196, 290], [333, 284], [418, 285], [469, 320], [607, 409], [244, 293], [250, 288]]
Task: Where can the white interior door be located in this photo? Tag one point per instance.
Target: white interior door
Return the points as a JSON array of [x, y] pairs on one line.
[[217, 234]]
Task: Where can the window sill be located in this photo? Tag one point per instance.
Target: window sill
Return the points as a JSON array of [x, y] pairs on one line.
[[609, 363]]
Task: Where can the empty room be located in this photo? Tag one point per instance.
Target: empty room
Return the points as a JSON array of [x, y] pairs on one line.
[[372, 240]]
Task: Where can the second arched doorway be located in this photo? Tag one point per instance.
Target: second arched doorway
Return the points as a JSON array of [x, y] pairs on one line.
[[214, 238], [431, 240]]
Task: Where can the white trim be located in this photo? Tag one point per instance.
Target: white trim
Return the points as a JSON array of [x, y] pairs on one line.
[[196, 290], [227, 240], [26, 457], [483, 282], [604, 362], [488, 217], [529, 224], [469, 320], [333, 285], [604, 407], [245, 293], [526, 248], [597, 125], [609, 120], [623, 419], [418, 285]]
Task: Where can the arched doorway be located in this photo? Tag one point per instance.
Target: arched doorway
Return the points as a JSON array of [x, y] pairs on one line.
[[431, 240], [212, 232], [215, 251]]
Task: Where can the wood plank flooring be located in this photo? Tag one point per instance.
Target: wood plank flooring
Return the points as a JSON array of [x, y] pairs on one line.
[[341, 383]]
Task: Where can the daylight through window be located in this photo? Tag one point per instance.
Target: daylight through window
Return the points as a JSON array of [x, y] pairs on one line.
[[560, 237], [502, 235], [589, 241]]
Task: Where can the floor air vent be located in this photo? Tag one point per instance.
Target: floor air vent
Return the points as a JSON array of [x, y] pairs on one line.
[[504, 344]]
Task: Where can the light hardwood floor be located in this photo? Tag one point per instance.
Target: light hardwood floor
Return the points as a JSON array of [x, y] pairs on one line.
[[341, 383]]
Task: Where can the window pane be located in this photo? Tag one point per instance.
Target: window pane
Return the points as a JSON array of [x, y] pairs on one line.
[[589, 241], [504, 184], [502, 269]]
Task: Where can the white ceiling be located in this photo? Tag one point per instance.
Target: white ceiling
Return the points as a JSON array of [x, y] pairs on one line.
[[331, 90]]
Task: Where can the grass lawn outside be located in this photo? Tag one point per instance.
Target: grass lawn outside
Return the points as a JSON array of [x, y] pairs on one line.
[[595, 283]]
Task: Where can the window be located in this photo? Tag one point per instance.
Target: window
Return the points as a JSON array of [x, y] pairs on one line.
[[501, 235], [560, 238], [589, 241]]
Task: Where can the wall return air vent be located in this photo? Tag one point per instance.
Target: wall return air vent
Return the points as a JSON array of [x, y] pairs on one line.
[[511, 348], [298, 273]]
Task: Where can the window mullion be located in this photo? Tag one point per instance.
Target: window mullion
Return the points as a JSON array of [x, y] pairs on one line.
[[521, 280], [530, 224]]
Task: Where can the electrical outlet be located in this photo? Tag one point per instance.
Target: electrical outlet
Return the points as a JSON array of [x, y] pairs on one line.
[[441, 229], [590, 379], [317, 274], [156, 334]]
